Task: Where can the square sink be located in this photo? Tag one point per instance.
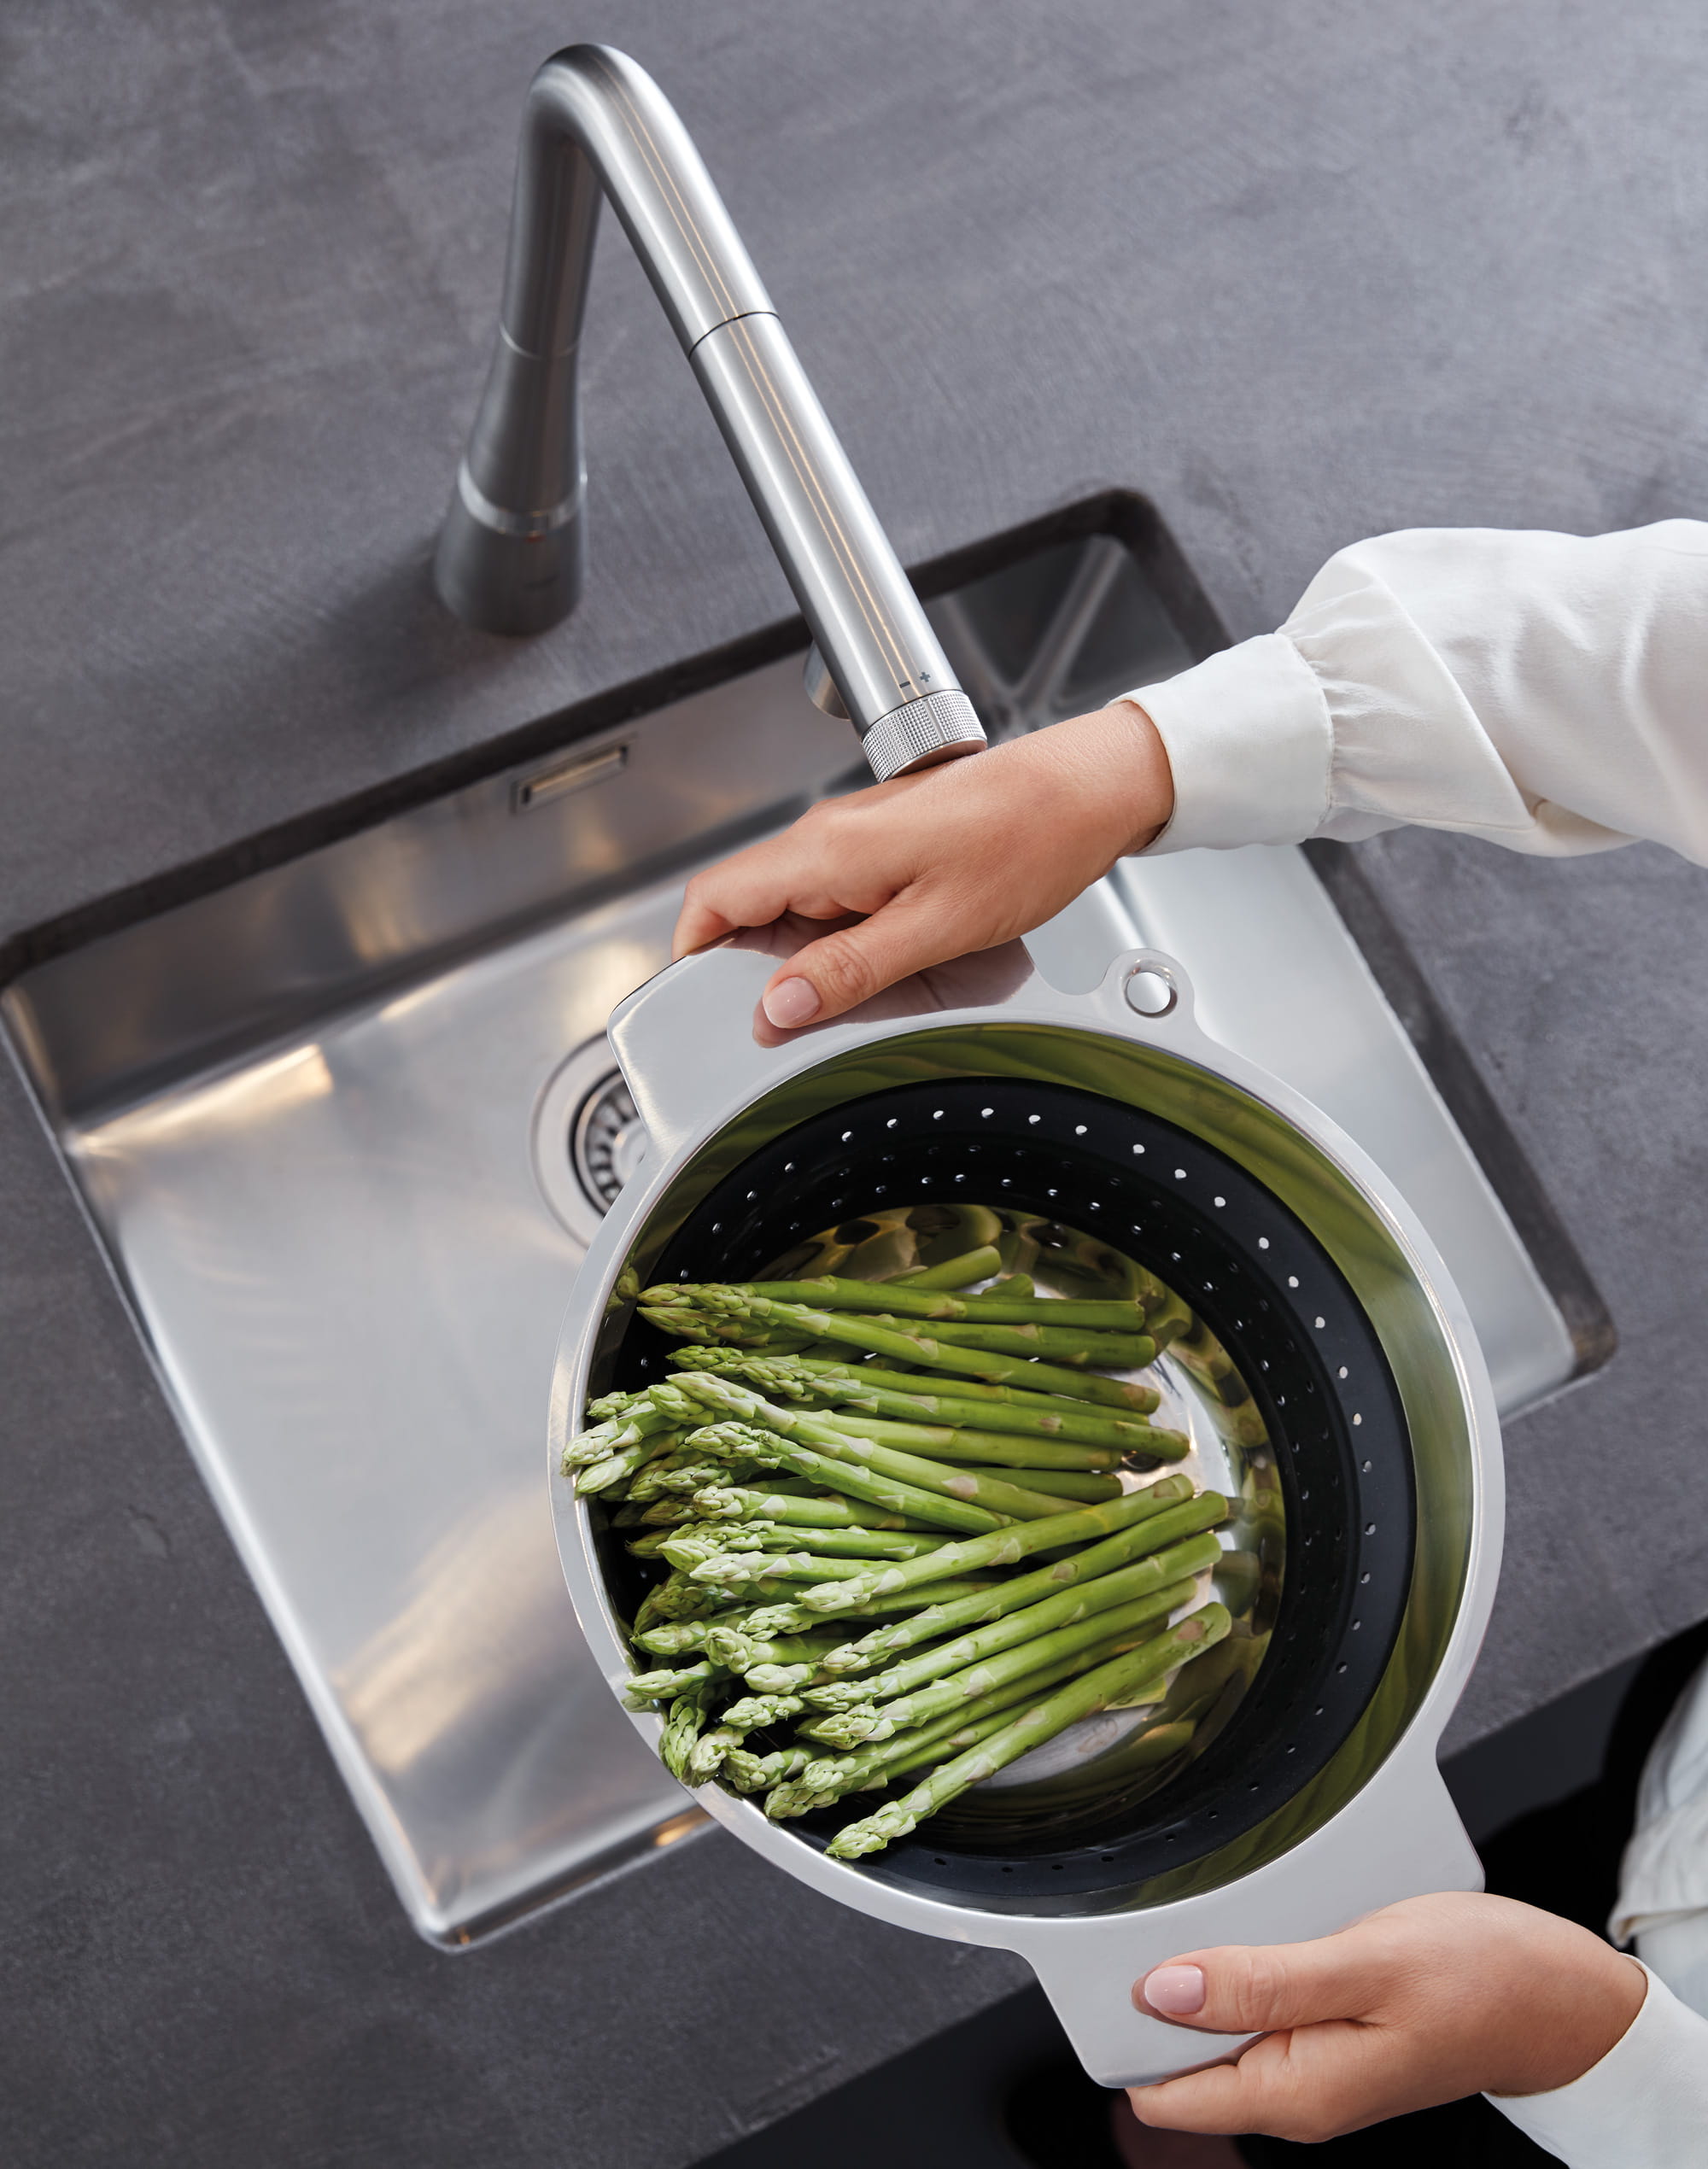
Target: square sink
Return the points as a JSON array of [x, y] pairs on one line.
[[345, 1127]]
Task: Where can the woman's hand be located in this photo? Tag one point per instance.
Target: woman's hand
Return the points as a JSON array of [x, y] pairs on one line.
[[1419, 2003], [935, 866]]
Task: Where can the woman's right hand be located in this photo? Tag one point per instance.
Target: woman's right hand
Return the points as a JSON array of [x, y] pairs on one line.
[[1423, 2002], [932, 867]]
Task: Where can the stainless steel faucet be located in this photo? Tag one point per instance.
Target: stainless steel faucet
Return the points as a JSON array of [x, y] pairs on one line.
[[513, 552]]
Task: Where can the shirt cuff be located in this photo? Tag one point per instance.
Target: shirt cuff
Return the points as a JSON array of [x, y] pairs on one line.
[[1644, 2106], [1249, 739]]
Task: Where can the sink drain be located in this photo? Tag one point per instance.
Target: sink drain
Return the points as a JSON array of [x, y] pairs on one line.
[[588, 1138], [608, 1142]]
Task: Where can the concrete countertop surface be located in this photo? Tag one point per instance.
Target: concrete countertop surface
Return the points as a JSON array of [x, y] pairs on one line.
[[1297, 273]]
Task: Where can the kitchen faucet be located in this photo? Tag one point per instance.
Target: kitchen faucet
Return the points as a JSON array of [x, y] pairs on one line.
[[513, 551]]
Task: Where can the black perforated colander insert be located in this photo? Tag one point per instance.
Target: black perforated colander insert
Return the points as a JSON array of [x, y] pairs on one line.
[[1266, 1290]]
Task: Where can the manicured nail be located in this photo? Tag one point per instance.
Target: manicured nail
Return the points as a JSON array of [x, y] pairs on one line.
[[1177, 1990], [792, 1003]]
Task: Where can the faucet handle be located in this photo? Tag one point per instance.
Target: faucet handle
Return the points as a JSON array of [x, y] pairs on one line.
[[937, 727]]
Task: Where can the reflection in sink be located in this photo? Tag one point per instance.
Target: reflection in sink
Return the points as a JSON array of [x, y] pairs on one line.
[[346, 1126]]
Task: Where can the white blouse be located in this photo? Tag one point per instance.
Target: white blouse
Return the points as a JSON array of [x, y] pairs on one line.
[[1548, 692]]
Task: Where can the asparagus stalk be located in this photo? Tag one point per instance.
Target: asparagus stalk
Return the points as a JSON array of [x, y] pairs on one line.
[[1142, 1578], [952, 1442], [618, 1471], [848, 1474], [1000, 1499], [689, 1550], [1163, 1522], [749, 1773], [683, 1725], [791, 1618], [735, 1646], [612, 1435], [759, 1712], [848, 1727], [907, 1299], [1082, 1484], [955, 1272], [645, 1688], [935, 1354], [720, 1502], [1001, 1547], [949, 1346], [824, 1781], [737, 1569], [1119, 1680], [673, 1637], [960, 1401], [705, 1757]]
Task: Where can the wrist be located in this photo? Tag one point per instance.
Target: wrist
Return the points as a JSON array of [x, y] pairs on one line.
[[1120, 773]]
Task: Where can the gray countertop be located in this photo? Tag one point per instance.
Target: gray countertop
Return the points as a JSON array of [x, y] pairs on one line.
[[1296, 274]]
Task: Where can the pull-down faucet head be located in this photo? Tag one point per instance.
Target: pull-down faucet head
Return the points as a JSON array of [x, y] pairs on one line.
[[513, 551]]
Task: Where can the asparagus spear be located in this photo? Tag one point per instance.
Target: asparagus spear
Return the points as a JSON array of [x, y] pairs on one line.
[[955, 1272], [1000, 1499], [1111, 1684], [645, 1688], [952, 1442], [1170, 1519], [612, 1435], [683, 1726], [621, 1468], [791, 1618], [1082, 1484], [825, 1780], [846, 1474], [759, 1712], [937, 1355], [720, 1502], [740, 1650], [705, 1757], [1160, 1570], [848, 1727], [739, 1570], [961, 1402], [948, 1346], [691, 1549], [749, 1773], [1001, 1547], [905, 1299]]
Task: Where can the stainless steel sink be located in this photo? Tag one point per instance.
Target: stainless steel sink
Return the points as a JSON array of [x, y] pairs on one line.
[[345, 1127]]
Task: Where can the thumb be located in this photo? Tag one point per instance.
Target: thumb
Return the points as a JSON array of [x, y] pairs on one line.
[[1265, 1988], [841, 969]]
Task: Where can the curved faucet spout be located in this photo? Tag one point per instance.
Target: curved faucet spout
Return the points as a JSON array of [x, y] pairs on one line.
[[513, 552]]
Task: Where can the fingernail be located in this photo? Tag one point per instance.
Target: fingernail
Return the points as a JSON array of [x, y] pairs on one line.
[[793, 1003], [1177, 1990]]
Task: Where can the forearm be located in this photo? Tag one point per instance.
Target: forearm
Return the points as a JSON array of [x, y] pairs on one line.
[[1543, 690]]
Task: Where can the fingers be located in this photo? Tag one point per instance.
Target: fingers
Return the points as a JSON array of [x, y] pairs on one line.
[[1261, 1988], [833, 974]]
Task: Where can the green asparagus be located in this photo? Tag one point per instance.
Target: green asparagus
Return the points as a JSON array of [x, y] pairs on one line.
[[848, 1727], [1108, 1685], [1001, 1547]]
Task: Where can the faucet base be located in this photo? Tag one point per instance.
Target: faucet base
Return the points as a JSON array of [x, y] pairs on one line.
[[506, 574]]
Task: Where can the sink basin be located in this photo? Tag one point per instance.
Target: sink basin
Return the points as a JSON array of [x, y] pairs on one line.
[[345, 1127]]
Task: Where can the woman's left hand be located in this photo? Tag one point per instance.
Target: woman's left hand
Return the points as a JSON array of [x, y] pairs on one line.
[[1422, 2003]]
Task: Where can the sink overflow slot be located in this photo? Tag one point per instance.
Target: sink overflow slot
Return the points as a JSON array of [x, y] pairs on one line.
[[578, 773]]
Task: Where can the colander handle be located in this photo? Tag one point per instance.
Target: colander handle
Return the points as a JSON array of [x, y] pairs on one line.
[[1401, 1838], [691, 1040]]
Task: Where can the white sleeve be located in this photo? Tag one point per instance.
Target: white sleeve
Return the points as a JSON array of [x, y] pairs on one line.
[[1644, 2106], [1546, 691]]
